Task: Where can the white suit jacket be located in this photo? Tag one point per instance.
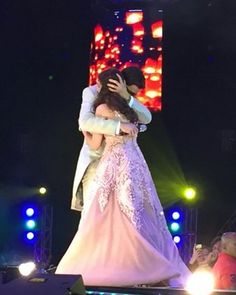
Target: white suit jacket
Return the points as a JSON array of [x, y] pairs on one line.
[[89, 122]]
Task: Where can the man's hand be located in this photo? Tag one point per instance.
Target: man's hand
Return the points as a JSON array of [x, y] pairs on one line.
[[129, 128], [119, 87]]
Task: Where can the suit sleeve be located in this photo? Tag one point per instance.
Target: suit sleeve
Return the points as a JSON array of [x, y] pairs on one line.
[[87, 119], [144, 115]]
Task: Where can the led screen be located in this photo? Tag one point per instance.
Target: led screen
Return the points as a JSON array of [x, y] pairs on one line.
[[131, 37]]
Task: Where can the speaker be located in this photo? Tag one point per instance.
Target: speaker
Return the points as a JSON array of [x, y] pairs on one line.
[[8, 273], [45, 284]]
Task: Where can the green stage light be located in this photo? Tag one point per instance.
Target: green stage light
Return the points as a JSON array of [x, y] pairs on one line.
[[30, 224], [190, 193], [42, 190]]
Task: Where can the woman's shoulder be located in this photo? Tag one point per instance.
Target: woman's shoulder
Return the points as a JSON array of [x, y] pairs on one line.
[[103, 109]]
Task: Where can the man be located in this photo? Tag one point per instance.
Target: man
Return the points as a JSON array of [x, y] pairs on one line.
[[88, 159], [224, 269]]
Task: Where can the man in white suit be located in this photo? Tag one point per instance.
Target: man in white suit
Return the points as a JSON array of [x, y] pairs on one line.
[[89, 159]]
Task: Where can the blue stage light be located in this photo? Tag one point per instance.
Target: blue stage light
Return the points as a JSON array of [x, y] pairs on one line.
[[30, 236], [176, 215], [29, 212], [177, 239]]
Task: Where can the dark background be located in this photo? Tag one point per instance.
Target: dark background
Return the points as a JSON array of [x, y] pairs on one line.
[[44, 67]]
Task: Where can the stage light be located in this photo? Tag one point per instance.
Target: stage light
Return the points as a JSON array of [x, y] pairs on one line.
[[175, 215], [177, 239], [30, 224], [25, 269], [189, 193], [29, 212], [30, 236], [174, 226], [200, 283], [42, 190]]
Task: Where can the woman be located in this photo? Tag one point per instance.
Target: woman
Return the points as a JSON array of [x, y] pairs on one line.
[[123, 239]]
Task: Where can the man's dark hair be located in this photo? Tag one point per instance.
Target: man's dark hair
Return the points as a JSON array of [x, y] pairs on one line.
[[133, 76]]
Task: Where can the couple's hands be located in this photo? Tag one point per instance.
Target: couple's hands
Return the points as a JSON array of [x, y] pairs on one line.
[[119, 87], [129, 128]]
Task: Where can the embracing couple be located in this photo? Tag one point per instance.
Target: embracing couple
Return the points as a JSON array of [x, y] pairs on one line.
[[122, 239]]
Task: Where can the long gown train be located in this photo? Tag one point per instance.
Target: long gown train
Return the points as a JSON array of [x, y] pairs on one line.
[[123, 239]]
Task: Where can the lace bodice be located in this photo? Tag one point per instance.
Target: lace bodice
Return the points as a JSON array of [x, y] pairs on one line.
[[123, 174], [111, 141]]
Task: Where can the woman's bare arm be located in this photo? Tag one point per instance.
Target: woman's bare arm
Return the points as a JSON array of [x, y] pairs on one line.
[[94, 140]]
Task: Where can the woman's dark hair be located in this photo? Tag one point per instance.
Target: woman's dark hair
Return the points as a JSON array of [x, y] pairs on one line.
[[113, 100]]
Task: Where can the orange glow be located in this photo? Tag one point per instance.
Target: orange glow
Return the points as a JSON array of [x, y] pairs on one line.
[[157, 29], [159, 64], [98, 33], [133, 17], [107, 53], [155, 77], [136, 46], [152, 93], [138, 29], [150, 84], [119, 29], [115, 49], [150, 66], [127, 64]]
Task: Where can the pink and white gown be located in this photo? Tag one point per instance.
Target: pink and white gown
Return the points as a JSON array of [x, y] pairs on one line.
[[123, 239]]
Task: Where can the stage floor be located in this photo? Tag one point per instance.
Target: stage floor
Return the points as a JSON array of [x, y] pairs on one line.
[[95, 290], [43, 284]]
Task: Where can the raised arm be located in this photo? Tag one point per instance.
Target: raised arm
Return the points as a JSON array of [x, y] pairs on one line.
[[144, 115]]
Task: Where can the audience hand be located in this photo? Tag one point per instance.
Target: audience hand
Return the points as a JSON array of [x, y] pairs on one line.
[[196, 254]]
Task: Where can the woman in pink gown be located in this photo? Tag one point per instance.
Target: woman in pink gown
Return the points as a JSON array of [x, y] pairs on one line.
[[122, 239]]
